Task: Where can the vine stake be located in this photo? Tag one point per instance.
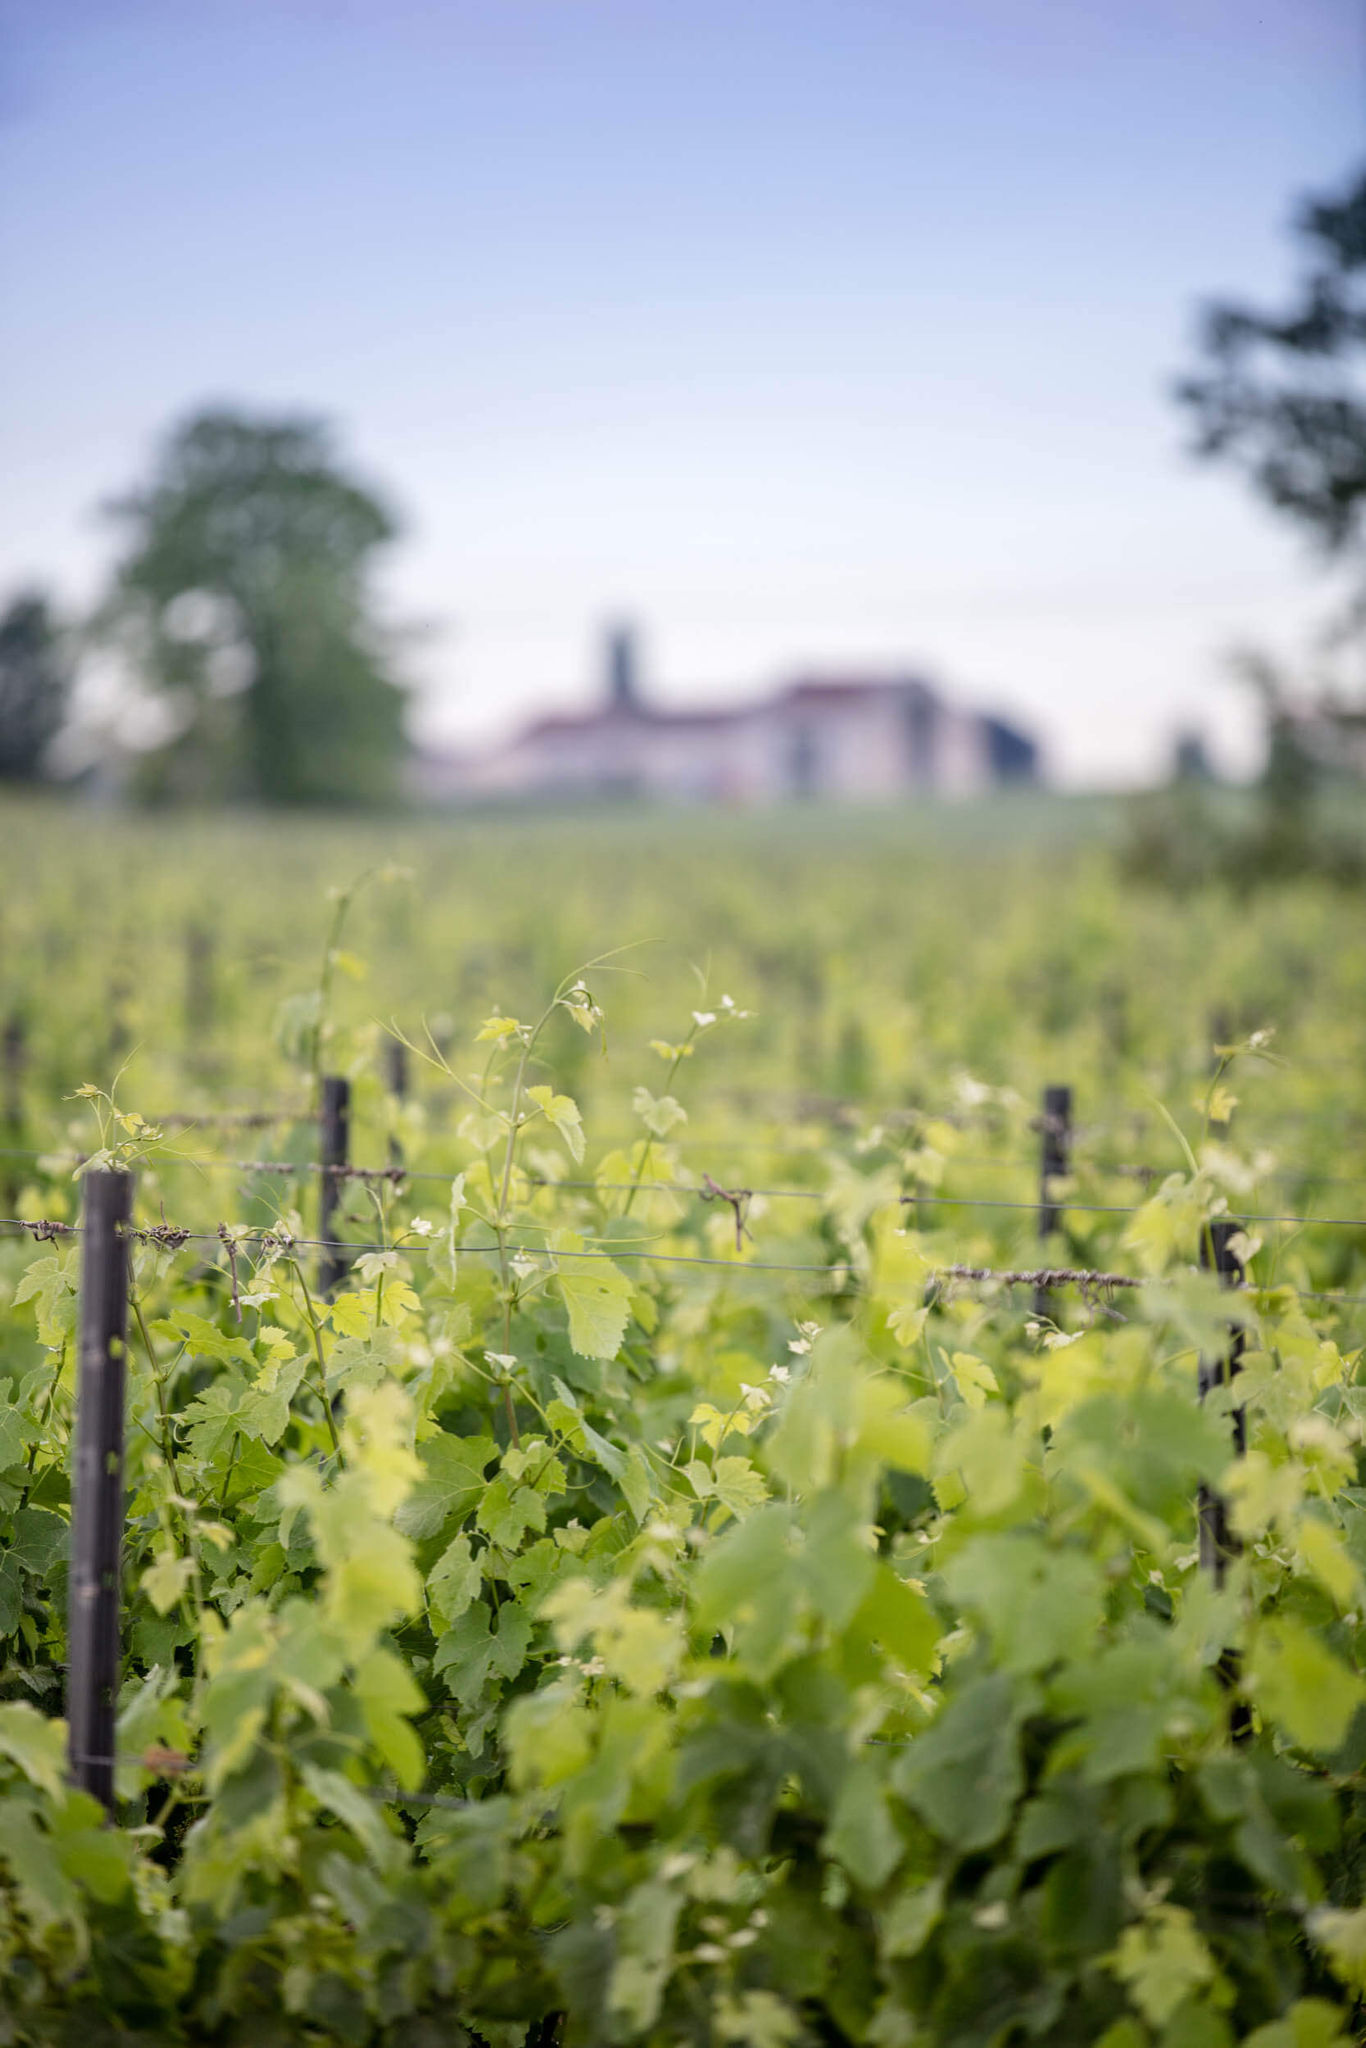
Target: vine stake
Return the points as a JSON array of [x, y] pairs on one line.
[[1055, 1150], [334, 1138], [1217, 1542], [97, 1485]]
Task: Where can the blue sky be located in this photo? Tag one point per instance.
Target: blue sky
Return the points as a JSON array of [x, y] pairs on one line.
[[831, 332]]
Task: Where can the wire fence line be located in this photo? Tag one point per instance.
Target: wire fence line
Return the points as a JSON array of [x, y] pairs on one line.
[[1125, 1169], [232, 1119], [169, 1237], [928, 1197], [1004, 1116]]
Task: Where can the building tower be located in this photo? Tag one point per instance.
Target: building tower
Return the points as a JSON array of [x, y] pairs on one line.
[[623, 681]]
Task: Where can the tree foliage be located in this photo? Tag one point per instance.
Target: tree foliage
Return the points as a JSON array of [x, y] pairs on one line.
[[1282, 398], [1281, 395], [35, 679], [243, 600]]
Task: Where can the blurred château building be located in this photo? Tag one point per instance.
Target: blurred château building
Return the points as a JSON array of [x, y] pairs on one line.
[[854, 737]]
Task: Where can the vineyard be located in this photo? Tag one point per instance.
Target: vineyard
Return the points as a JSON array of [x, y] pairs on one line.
[[731, 1431]]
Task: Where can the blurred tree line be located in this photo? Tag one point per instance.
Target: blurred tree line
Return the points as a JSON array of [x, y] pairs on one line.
[[1281, 397], [243, 603], [35, 686], [242, 607]]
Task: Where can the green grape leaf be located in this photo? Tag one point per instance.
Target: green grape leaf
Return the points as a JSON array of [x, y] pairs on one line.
[[963, 1774], [264, 1410], [46, 1893], [660, 1114], [11, 1593], [388, 1693], [35, 1744], [911, 1918], [1308, 2023], [900, 1619], [454, 1580], [563, 1112], [471, 1651], [862, 1834], [988, 1454], [1162, 1961], [738, 1485], [203, 1338], [637, 1484], [39, 1539], [166, 1578], [597, 1295], [452, 1483], [51, 1283], [337, 1795], [506, 1512], [1343, 1935], [1041, 1602], [757, 2019], [211, 1421], [1297, 1682], [95, 1856], [602, 1451], [17, 1432]]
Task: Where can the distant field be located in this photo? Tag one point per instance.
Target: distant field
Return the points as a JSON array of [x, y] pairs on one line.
[[882, 953]]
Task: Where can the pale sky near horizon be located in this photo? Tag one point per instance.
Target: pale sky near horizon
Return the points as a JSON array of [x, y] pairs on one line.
[[833, 334]]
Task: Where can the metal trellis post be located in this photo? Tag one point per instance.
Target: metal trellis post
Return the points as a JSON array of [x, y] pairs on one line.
[[97, 1485], [334, 1140], [396, 1077], [1218, 1544], [1055, 1152]]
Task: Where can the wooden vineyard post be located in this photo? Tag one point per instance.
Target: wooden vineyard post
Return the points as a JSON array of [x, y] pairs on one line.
[[396, 1068], [334, 1135], [97, 1486], [1055, 1154], [1218, 1544], [396, 1077]]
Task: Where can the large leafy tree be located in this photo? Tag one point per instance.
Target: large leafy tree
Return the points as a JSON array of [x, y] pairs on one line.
[[35, 680], [244, 603], [1282, 395]]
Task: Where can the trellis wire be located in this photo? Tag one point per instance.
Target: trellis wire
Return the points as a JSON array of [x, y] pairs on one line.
[[168, 1237], [928, 1197]]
